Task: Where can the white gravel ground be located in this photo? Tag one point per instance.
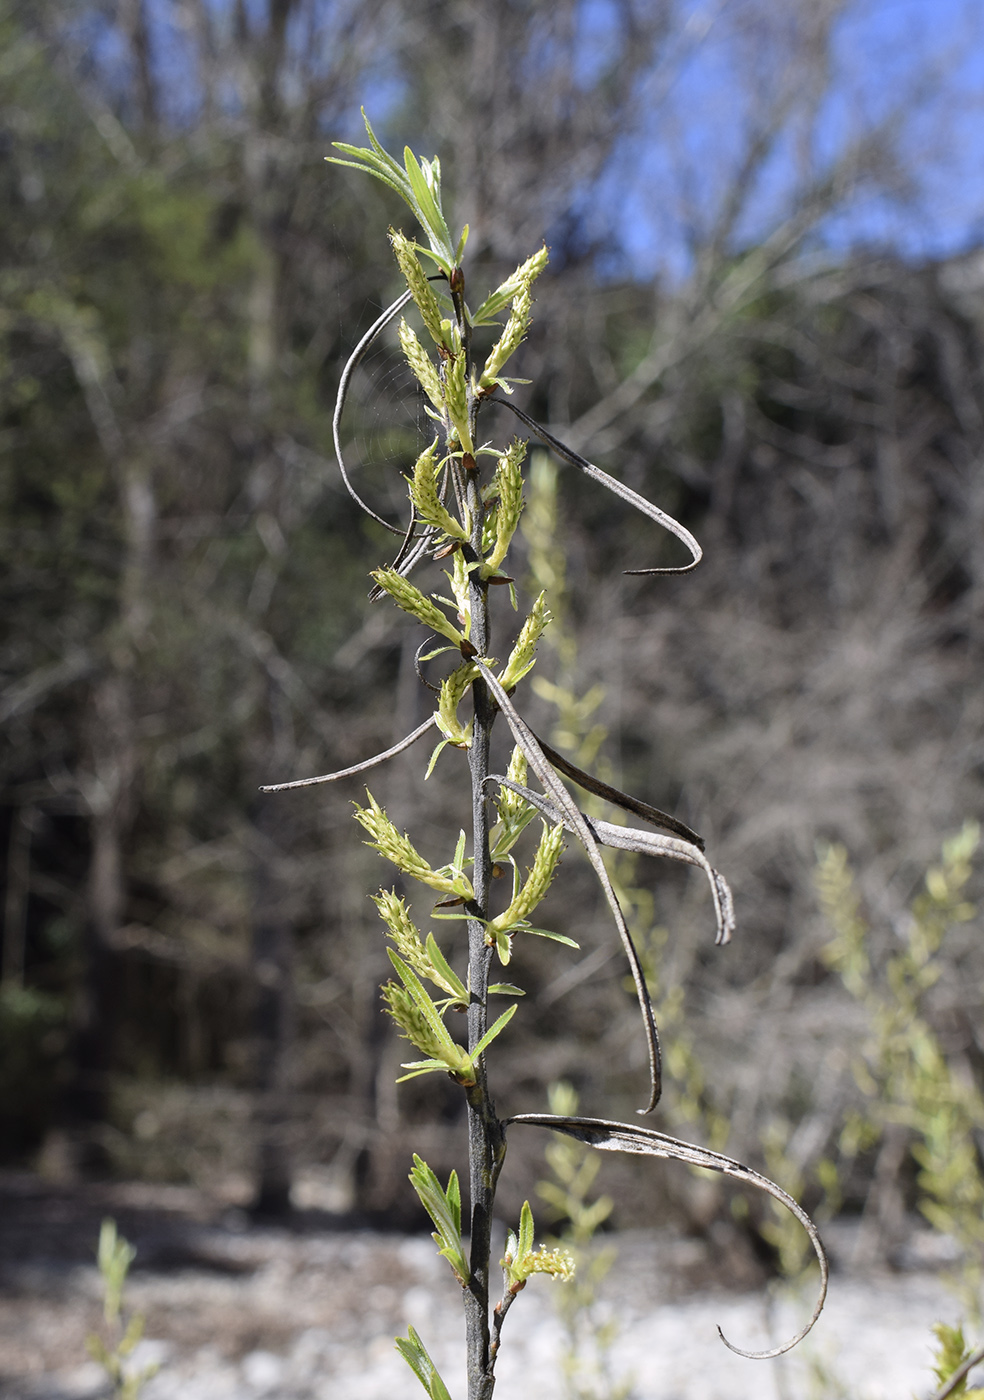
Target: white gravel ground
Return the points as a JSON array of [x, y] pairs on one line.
[[313, 1318]]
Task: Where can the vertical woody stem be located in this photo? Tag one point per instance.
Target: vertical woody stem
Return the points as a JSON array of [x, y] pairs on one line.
[[486, 1141]]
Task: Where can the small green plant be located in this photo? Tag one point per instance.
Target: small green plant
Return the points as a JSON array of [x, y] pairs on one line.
[[906, 1080], [115, 1348], [953, 1361], [589, 1339], [466, 500]]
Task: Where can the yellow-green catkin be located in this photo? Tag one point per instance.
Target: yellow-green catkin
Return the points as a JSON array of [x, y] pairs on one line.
[[427, 498], [417, 604], [419, 1030], [522, 656], [456, 397], [523, 276], [420, 1022], [538, 881], [453, 689], [403, 931], [511, 806], [401, 851], [521, 1260], [512, 337], [461, 588], [557, 1262], [422, 365], [509, 485], [420, 289], [519, 316]]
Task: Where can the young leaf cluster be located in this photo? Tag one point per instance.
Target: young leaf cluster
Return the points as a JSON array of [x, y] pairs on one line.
[[418, 183], [415, 1354], [444, 1208], [951, 1353], [522, 1260], [515, 813], [114, 1257]]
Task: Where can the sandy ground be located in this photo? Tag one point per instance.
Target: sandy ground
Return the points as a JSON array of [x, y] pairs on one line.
[[235, 1312]]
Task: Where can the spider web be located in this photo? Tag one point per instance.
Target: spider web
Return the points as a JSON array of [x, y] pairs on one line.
[[384, 429]]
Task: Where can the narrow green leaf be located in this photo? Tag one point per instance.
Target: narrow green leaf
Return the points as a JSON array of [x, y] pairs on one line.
[[445, 264], [435, 756], [414, 1353], [387, 161], [365, 168], [367, 160], [410, 1355], [493, 1031], [427, 210], [452, 982], [420, 1067], [505, 989], [416, 989], [374, 141], [454, 1200], [459, 851], [555, 937], [525, 1242]]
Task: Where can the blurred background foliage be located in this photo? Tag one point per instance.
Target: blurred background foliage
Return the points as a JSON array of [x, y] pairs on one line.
[[189, 972]]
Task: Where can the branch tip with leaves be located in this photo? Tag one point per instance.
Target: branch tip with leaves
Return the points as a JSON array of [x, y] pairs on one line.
[[466, 499]]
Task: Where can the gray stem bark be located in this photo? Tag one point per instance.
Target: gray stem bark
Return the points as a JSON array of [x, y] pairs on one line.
[[486, 1139]]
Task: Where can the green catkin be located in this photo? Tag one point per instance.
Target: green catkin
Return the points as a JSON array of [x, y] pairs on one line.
[[427, 498], [509, 485], [456, 398], [453, 690], [522, 656], [519, 316], [523, 276], [422, 366], [401, 851], [420, 289], [511, 339], [412, 601], [403, 931], [537, 883]]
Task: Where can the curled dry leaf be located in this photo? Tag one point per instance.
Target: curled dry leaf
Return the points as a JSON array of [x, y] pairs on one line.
[[617, 798], [363, 767], [649, 843], [625, 493], [536, 759], [630, 1137]]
